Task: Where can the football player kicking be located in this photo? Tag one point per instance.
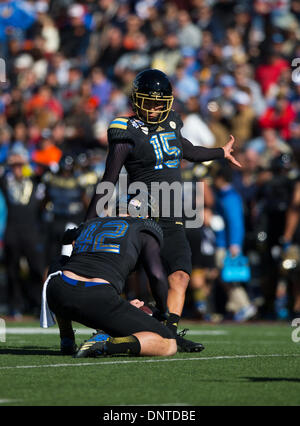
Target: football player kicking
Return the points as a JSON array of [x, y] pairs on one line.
[[150, 146], [87, 289]]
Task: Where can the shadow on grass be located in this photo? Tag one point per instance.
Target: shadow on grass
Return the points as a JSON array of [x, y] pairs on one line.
[[251, 379], [272, 379], [29, 350]]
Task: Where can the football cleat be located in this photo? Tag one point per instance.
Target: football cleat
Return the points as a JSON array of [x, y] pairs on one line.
[[93, 347], [67, 346], [185, 345]]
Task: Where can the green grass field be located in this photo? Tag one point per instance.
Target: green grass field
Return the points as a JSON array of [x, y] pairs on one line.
[[255, 364]]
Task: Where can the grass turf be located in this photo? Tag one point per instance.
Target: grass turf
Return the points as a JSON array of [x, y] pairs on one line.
[[252, 365]]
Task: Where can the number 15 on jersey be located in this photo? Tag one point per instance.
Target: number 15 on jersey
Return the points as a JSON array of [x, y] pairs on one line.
[[161, 145]]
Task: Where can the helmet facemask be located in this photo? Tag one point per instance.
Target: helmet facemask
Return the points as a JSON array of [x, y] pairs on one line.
[[152, 109]]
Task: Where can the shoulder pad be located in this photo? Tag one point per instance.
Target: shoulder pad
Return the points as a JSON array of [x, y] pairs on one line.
[[154, 229], [118, 131], [119, 123]]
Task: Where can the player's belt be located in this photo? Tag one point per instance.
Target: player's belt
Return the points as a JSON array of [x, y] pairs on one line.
[[81, 283]]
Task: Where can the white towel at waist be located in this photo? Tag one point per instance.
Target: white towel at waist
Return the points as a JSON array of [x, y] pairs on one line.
[[47, 318]]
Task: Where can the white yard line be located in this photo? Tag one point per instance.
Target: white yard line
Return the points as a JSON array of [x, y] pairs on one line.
[[140, 361], [6, 401], [207, 332]]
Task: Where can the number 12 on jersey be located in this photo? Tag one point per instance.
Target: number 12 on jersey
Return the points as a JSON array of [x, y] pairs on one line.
[[161, 145]]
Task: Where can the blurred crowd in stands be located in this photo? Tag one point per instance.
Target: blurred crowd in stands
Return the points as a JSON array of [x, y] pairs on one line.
[[234, 66]]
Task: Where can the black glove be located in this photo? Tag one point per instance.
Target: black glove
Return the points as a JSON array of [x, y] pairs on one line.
[[70, 235]]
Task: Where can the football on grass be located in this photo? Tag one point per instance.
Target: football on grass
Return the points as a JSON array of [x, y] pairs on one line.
[[146, 309]]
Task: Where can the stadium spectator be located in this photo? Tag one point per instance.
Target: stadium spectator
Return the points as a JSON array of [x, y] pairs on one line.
[[290, 245], [216, 123], [168, 56], [224, 93], [203, 16], [230, 240], [15, 18], [233, 50], [273, 199], [185, 85], [49, 33], [5, 140], [268, 145], [44, 108], [279, 117], [101, 86], [111, 52], [241, 124], [75, 35], [68, 93], [133, 29], [3, 216], [136, 58], [269, 72], [23, 196], [46, 154], [204, 271], [189, 34], [65, 203], [194, 128], [244, 80]]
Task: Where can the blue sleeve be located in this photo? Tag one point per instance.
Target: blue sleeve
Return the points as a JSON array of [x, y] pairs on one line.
[[221, 238], [234, 218], [3, 215]]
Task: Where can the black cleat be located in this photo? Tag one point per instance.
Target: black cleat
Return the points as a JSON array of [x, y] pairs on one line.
[[93, 347], [185, 345]]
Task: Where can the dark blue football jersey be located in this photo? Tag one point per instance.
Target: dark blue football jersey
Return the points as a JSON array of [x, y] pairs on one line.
[[157, 150], [156, 153], [110, 247]]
